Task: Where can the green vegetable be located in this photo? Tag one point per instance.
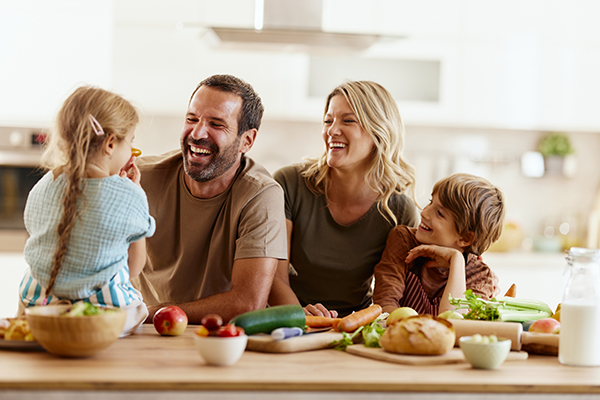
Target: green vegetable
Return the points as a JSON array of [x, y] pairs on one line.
[[270, 318], [83, 308], [507, 309], [372, 334], [346, 340]]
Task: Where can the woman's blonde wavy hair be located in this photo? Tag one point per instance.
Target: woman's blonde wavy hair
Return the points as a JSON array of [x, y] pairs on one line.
[[72, 144], [387, 173]]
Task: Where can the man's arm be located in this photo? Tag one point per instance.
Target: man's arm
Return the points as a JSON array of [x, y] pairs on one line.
[[251, 282]]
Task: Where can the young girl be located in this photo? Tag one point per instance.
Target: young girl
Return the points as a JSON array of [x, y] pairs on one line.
[[88, 216]]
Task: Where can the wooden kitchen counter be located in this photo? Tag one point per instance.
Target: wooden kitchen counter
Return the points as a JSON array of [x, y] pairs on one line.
[[149, 362]]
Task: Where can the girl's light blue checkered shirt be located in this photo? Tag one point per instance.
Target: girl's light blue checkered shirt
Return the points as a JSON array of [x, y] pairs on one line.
[[112, 214]]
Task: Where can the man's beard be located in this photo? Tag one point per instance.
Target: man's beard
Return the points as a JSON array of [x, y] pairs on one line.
[[221, 160]]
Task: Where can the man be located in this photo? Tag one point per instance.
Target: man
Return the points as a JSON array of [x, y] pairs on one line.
[[219, 215]]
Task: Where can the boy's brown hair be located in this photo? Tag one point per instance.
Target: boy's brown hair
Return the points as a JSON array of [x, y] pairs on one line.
[[476, 205]]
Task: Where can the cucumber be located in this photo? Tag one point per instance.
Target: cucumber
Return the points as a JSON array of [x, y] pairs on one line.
[[271, 318]]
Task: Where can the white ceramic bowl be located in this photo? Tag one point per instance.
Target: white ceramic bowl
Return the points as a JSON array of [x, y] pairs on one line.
[[222, 351], [485, 355]]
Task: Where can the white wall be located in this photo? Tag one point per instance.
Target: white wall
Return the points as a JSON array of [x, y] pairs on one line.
[[47, 48]]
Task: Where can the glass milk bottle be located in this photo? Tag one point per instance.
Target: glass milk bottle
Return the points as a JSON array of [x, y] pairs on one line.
[[579, 343]]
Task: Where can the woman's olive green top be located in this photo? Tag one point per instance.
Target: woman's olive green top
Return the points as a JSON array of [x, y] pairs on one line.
[[334, 263]]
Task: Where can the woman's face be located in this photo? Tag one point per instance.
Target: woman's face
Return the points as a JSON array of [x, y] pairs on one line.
[[347, 144]]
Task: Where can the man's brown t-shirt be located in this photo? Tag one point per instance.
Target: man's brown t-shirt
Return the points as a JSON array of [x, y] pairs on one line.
[[196, 241]]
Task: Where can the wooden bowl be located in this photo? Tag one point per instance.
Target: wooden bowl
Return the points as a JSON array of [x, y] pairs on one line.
[[74, 336]]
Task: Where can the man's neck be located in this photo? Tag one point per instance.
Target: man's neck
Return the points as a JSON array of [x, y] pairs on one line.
[[214, 187]]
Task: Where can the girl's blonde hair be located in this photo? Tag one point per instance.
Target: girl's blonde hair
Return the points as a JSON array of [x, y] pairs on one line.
[[387, 173], [74, 141]]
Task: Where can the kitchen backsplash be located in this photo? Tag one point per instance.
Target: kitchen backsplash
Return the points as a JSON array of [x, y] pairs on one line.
[[532, 203]]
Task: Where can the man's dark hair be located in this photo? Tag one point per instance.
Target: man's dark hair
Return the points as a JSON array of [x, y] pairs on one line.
[[252, 108]]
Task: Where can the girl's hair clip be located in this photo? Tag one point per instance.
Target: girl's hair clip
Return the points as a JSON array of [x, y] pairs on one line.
[[96, 125]]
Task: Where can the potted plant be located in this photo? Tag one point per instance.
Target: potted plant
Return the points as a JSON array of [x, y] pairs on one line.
[[555, 146]]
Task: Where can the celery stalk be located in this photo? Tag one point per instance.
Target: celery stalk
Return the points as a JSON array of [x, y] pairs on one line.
[[525, 303], [508, 309], [520, 315]]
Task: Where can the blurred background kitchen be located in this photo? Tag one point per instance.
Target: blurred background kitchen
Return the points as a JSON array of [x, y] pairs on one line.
[[506, 90]]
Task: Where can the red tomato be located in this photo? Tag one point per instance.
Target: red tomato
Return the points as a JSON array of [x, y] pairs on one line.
[[240, 331], [212, 321], [228, 330]]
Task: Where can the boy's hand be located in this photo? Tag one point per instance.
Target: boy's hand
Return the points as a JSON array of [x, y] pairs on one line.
[[440, 256]]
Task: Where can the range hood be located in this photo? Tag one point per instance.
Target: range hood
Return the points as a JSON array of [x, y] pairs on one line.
[[291, 24]]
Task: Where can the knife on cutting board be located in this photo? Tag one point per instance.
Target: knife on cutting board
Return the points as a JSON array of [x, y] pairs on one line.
[[541, 343]]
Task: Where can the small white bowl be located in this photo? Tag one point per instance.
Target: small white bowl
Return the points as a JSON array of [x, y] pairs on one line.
[[221, 351], [485, 355]]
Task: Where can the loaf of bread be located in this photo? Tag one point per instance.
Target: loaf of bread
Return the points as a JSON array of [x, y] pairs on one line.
[[420, 334]]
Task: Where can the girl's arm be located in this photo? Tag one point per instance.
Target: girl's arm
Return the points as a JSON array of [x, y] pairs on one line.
[[137, 249], [137, 257]]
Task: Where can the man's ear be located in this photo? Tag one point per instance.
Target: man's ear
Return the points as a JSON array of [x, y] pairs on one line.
[[466, 240], [247, 140]]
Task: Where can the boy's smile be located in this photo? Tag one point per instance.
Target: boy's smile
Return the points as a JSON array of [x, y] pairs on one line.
[[437, 226]]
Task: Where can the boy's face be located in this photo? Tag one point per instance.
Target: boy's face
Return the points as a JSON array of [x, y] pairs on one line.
[[437, 226]]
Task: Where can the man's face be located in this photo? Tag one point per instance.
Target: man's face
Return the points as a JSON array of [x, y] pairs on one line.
[[209, 142]]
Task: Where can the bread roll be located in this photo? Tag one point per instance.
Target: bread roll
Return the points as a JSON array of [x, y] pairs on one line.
[[420, 334]]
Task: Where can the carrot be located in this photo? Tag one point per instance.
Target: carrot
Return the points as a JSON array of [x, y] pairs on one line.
[[360, 318], [319, 322], [336, 322], [512, 291]]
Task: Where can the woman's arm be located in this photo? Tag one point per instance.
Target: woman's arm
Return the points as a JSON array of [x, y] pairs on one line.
[[137, 257]]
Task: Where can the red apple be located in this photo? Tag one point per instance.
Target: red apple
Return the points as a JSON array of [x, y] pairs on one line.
[[545, 325], [170, 321]]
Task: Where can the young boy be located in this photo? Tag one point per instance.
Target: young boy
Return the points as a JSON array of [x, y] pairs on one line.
[[421, 267]]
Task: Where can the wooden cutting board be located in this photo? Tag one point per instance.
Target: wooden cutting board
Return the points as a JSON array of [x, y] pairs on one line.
[[453, 356], [313, 341]]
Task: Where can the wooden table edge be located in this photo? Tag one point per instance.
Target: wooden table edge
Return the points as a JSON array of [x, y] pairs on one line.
[[296, 387]]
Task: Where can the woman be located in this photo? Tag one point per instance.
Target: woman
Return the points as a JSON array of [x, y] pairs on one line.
[[341, 207]]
